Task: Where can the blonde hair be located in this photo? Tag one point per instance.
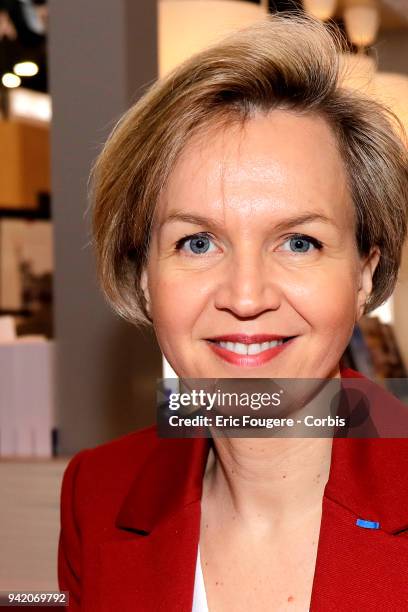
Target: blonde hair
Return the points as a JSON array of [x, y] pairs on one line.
[[287, 62]]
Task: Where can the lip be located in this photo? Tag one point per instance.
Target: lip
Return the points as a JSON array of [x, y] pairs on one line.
[[245, 339], [249, 360]]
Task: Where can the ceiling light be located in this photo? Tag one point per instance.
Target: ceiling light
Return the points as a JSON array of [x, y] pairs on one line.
[[30, 106], [26, 69], [10, 80], [322, 9], [362, 21]]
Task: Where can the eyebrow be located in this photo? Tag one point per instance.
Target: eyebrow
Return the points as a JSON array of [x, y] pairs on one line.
[[306, 217]]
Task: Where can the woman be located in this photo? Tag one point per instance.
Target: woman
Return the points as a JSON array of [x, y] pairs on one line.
[[245, 199]]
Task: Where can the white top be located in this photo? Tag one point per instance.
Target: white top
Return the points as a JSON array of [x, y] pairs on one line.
[[199, 597]]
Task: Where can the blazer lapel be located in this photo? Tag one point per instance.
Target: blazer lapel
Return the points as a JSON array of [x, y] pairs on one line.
[[154, 572], [357, 567], [360, 568], [151, 564]]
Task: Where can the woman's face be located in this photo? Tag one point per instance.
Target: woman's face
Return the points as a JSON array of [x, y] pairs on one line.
[[253, 244]]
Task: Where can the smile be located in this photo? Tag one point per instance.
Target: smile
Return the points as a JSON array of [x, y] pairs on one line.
[[249, 349], [249, 354]]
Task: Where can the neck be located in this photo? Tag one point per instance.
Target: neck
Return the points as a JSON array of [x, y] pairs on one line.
[[266, 483], [269, 482]]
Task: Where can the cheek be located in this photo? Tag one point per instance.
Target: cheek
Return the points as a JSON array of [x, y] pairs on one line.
[[328, 301], [176, 302]]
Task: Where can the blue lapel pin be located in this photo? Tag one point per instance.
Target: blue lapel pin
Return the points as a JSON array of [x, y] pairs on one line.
[[367, 524]]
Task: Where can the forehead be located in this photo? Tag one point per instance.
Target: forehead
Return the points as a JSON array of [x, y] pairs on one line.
[[272, 164]]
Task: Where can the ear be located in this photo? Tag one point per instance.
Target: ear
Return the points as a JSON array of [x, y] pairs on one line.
[[368, 266], [144, 285]]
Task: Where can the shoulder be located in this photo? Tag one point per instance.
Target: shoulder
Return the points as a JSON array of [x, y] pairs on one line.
[[105, 472], [377, 407], [131, 448], [94, 484]]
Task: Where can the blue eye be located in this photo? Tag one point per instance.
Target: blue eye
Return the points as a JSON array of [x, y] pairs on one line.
[[197, 243], [300, 243], [201, 243]]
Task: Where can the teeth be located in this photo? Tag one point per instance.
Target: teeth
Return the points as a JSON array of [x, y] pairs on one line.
[[249, 349], [237, 347], [253, 349]]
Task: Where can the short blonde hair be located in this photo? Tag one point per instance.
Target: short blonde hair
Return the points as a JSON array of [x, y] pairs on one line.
[[287, 62]]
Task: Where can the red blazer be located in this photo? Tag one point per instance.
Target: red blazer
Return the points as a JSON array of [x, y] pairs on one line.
[[130, 518]]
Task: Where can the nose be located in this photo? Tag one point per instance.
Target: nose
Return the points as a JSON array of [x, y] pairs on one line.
[[247, 287]]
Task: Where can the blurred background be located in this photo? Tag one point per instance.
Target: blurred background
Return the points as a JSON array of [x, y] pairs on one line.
[[72, 374]]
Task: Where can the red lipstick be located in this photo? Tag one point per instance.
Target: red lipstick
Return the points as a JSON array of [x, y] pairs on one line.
[[249, 360]]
